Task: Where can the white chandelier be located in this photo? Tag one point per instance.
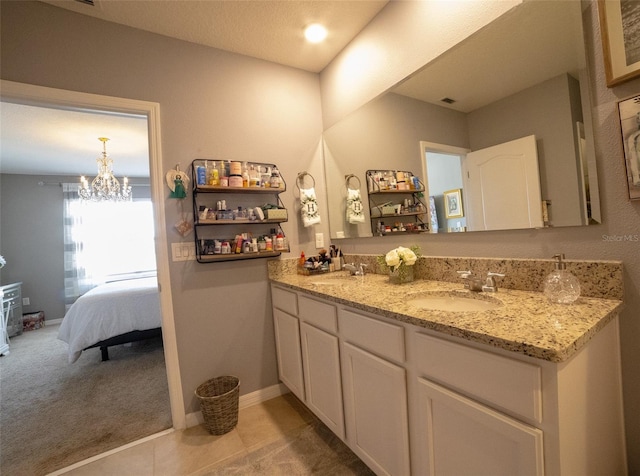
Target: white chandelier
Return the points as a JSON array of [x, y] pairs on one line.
[[105, 187]]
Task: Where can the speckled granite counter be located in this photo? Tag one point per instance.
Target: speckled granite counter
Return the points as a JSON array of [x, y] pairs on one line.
[[526, 323]]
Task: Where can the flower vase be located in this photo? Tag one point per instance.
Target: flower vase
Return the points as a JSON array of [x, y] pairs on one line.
[[401, 274]]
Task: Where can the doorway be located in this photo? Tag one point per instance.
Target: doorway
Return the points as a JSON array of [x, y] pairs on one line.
[[49, 97]]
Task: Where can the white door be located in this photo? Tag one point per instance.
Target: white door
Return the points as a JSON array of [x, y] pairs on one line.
[[321, 360], [504, 170], [459, 436], [375, 407], [287, 330]]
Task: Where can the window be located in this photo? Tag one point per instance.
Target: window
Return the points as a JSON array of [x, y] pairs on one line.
[[105, 239]]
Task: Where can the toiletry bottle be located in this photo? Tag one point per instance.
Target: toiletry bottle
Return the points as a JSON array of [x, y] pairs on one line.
[[214, 174], [202, 175], [301, 260], [245, 175], [274, 181], [560, 286]]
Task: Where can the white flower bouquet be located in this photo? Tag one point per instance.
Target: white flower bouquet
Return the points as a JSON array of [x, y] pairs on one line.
[[398, 261]]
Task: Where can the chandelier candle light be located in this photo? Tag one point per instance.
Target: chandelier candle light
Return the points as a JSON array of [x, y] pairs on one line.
[[105, 187], [400, 263]]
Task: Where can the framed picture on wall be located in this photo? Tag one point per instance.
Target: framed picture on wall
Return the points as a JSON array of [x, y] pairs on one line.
[[629, 110], [453, 203], [620, 31]]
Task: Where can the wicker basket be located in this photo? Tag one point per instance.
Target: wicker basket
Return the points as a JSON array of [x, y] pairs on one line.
[[219, 403]]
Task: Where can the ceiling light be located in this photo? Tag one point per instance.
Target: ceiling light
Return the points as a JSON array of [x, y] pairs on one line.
[[315, 33], [105, 187]]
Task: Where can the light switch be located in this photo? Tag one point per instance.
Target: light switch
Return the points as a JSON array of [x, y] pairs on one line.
[[319, 240]]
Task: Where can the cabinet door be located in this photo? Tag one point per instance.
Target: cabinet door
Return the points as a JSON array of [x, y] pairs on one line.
[[287, 329], [461, 436], [375, 405], [323, 387]]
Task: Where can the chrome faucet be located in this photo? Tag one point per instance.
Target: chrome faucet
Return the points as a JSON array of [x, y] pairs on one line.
[[470, 282], [356, 270], [491, 286]]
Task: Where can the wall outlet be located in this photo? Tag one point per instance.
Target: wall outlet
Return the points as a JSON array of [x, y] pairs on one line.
[[183, 251], [26, 301], [319, 240]]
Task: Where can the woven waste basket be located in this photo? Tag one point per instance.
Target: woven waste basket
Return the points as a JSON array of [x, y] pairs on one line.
[[219, 403]]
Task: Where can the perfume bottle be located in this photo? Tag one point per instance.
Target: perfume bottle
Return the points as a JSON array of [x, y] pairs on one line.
[[560, 286]]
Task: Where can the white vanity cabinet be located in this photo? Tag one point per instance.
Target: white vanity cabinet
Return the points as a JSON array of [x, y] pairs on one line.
[[375, 392], [417, 402], [308, 354], [321, 361], [287, 334], [486, 440]]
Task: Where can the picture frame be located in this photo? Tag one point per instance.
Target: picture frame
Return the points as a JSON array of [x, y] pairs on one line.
[[453, 203], [629, 112], [620, 34]]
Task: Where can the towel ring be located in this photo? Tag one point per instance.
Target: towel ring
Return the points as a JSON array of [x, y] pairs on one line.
[[300, 180], [347, 179]]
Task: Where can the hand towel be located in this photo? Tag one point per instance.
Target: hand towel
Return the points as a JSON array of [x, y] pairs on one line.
[[355, 210], [309, 207]]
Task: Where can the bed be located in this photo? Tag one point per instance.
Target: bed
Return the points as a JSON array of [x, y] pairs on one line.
[[112, 314]]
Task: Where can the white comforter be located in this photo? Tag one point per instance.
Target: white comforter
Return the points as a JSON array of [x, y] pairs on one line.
[[110, 310]]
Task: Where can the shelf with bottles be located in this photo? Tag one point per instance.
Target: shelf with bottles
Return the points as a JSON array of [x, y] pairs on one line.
[[210, 214], [241, 246], [397, 195], [215, 176], [227, 214], [393, 181]]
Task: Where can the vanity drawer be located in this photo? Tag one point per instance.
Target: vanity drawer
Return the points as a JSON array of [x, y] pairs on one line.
[[284, 300], [510, 384], [378, 337], [319, 314]]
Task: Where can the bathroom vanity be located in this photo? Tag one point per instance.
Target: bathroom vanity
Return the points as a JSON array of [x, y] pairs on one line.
[[523, 387]]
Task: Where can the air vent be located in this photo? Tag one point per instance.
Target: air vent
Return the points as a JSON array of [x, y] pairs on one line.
[[448, 100], [86, 2]]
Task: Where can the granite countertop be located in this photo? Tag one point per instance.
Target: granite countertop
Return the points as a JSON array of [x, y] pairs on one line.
[[526, 323]]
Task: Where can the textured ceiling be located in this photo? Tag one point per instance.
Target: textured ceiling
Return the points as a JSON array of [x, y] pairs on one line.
[[272, 30], [269, 30]]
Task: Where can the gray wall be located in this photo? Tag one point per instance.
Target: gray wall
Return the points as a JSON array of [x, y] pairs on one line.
[[212, 104], [551, 115], [31, 233], [204, 110]]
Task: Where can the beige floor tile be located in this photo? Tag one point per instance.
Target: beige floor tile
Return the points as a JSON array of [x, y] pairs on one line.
[[268, 421], [185, 452], [134, 461]]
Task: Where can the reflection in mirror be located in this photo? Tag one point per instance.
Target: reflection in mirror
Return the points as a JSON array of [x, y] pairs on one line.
[[522, 75]]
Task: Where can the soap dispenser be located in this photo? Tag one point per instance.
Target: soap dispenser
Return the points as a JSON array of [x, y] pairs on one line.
[[560, 286]]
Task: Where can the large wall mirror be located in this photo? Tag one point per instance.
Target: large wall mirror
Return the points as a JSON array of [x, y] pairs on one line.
[[460, 122]]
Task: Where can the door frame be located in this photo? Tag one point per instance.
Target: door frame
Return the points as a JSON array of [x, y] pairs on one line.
[[44, 96], [425, 147]]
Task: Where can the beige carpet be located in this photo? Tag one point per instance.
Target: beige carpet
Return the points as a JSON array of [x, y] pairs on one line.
[[53, 414]]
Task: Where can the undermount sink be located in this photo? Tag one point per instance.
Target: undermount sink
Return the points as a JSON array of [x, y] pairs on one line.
[[454, 302]]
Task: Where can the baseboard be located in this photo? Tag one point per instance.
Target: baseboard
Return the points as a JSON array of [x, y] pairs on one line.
[[50, 322], [110, 452], [253, 398]]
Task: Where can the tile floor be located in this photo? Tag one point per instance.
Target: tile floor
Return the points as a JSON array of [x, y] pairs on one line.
[[277, 437]]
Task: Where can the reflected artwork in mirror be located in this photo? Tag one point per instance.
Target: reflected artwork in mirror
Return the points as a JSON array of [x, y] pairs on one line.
[[521, 77]]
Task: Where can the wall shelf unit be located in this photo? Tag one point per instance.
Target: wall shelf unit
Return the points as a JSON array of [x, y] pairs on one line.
[[396, 202], [222, 214]]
